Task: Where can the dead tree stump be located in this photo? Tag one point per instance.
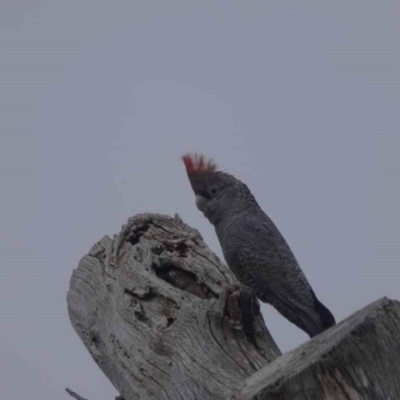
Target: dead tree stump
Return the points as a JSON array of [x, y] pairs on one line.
[[163, 317]]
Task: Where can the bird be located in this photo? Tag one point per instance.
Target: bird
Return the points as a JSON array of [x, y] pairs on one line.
[[253, 247]]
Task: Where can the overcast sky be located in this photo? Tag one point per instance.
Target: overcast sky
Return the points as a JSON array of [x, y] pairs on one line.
[[100, 98]]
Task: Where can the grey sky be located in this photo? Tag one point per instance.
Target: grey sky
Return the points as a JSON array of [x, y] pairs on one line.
[[99, 99]]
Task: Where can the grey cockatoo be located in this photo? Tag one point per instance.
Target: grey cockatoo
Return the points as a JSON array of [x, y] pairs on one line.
[[253, 247]]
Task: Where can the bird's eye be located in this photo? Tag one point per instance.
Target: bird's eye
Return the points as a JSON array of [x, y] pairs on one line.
[[213, 190]]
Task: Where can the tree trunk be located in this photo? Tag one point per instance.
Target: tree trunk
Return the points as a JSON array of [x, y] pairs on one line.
[[164, 318]]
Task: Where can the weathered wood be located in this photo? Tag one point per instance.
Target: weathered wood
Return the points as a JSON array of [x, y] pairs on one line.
[[163, 317], [358, 359]]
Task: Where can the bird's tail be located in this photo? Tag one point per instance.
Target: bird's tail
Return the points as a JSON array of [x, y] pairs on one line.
[[312, 320], [312, 317], [319, 319], [326, 316]]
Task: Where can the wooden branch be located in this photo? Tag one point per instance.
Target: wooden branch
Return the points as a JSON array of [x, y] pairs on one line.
[[74, 395], [77, 397], [358, 359], [163, 317]]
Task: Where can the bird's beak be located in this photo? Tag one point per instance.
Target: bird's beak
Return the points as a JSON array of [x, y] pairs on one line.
[[200, 200]]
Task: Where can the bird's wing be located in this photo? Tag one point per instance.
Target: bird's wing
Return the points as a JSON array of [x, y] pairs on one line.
[[272, 270], [300, 314], [267, 255]]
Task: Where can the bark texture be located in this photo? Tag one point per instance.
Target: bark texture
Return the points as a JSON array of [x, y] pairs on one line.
[[163, 317], [358, 359]]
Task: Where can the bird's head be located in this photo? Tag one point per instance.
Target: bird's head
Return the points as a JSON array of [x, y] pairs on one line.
[[217, 193]]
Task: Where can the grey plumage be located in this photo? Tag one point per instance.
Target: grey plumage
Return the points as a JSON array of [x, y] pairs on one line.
[[254, 248]]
